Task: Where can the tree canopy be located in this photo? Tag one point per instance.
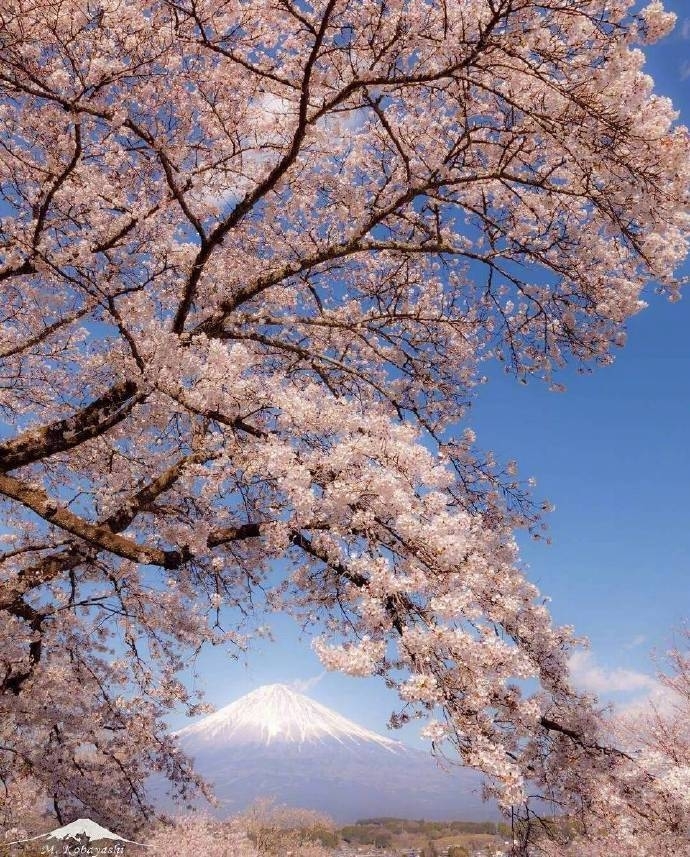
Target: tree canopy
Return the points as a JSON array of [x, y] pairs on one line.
[[254, 255]]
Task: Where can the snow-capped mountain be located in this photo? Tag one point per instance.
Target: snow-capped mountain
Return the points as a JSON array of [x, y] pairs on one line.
[[275, 742], [276, 714]]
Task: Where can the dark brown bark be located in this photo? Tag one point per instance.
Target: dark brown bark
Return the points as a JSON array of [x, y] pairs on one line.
[[91, 421]]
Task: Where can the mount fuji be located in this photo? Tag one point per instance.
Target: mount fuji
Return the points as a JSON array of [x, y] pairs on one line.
[[275, 742]]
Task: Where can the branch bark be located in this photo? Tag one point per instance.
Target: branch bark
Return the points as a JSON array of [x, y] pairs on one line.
[[91, 421]]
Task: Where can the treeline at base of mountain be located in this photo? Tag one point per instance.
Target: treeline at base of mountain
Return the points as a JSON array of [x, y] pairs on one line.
[[380, 831], [267, 829], [271, 830]]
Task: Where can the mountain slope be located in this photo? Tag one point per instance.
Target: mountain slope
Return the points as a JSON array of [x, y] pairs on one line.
[[278, 743], [275, 713]]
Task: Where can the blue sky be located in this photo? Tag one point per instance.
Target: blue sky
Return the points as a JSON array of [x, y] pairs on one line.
[[611, 454]]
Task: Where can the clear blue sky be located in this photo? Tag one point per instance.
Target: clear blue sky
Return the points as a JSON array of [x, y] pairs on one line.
[[612, 455]]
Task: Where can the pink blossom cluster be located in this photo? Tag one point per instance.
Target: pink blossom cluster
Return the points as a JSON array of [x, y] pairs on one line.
[[253, 258]]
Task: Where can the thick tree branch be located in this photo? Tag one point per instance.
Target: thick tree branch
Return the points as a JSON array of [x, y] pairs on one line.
[[52, 567], [91, 421], [99, 535]]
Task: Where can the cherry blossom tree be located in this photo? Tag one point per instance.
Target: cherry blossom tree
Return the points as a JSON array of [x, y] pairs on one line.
[[254, 256], [198, 834], [644, 809], [264, 830], [275, 829]]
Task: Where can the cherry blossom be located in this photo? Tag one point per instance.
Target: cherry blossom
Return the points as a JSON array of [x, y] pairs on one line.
[[265, 829], [640, 806], [253, 258]]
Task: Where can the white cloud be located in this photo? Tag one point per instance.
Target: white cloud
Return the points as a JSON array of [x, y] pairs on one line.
[[636, 641], [685, 28], [661, 700], [589, 676], [303, 685], [641, 694]]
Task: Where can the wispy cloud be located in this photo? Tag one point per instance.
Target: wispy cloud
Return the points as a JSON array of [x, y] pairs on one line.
[[591, 677], [635, 642], [303, 685], [685, 28], [660, 700], [635, 695]]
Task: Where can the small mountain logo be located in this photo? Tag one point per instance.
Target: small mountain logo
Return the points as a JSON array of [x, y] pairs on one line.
[[84, 832]]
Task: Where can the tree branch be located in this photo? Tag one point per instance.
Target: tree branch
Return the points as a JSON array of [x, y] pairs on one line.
[[100, 535], [91, 421]]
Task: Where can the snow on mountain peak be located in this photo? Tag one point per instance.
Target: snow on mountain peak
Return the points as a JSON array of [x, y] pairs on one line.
[[277, 713], [84, 827]]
